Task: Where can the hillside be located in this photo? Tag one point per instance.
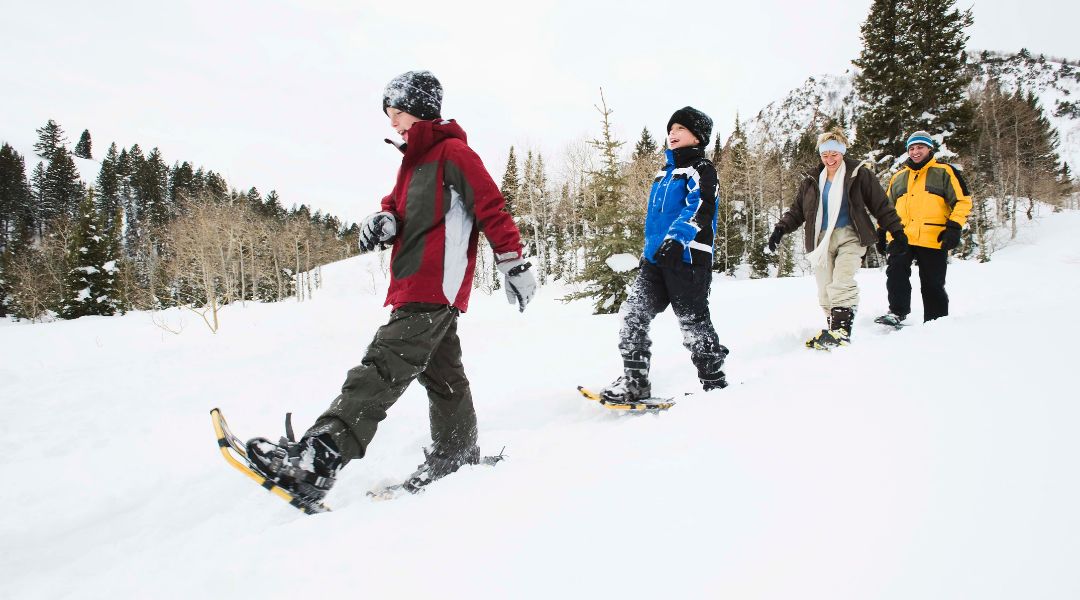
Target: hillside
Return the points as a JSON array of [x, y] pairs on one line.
[[1056, 82], [934, 462]]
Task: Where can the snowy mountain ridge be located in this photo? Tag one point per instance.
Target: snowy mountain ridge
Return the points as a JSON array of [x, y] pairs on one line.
[[1056, 82]]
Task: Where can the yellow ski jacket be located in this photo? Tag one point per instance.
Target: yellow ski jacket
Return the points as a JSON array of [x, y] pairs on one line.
[[926, 198]]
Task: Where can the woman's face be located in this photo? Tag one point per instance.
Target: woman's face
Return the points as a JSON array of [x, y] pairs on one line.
[[831, 159]]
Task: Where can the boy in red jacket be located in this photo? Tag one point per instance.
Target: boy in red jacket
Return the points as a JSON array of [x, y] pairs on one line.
[[442, 198]]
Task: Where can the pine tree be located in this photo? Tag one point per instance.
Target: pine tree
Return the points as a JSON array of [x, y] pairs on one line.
[[82, 149], [511, 183], [182, 184], [90, 285], [913, 75], [717, 151], [612, 232], [109, 184], [15, 197], [63, 190], [50, 137], [646, 146]]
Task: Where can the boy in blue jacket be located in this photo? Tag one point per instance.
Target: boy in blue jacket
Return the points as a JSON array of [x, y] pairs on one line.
[[676, 265]]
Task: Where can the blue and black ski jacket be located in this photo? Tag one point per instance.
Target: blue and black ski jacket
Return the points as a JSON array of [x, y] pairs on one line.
[[682, 206]]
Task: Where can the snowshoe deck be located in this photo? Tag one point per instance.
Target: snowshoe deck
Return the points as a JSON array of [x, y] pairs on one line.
[[640, 406], [232, 448]]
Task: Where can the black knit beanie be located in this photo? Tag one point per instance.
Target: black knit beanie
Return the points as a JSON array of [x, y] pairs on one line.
[[696, 121], [415, 92]]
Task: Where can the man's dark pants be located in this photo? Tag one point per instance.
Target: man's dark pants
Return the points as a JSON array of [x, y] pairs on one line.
[[932, 265]]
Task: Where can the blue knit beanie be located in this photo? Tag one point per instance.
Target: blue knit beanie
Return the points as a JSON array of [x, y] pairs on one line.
[[920, 137]]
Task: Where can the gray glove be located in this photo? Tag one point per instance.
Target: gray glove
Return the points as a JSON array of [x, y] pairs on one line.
[[376, 230], [520, 283]]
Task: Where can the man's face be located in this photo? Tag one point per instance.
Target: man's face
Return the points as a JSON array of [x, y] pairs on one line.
[[401, 121], [918, 152], [831, 159], [680, 137]]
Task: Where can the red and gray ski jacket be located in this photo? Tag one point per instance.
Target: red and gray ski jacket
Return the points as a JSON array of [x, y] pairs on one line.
[[442, 198]]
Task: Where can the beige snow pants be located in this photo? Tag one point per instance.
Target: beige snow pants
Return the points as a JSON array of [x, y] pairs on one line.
[[836, 280]]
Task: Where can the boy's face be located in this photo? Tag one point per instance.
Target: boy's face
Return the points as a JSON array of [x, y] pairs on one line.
[[401, 121], [918, 152], [680, 137]]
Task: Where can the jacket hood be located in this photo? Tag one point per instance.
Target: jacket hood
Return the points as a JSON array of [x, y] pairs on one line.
[[424, 135]]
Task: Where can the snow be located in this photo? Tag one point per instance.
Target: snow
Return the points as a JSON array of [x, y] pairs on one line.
[[621, 263], [934, 462]]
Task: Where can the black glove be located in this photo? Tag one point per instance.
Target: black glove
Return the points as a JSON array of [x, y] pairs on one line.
[[950, 236], [774, 239], [899, 243], [670, 253], [880, 241]]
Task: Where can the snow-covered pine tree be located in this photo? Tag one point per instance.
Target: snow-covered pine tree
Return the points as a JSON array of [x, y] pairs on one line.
[[610, 230], [50, 137], [913, 75], [90, 285], [83, 147]]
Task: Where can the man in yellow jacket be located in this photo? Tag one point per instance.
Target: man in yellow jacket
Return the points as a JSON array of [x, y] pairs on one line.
[[933, 203]]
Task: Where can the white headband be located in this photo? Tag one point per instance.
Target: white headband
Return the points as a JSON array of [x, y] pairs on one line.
[[832, 146]]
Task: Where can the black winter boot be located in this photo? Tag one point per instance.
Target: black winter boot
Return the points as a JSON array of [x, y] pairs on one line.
[[437, 465], [634, 383], [842, 318], [307, 468], [715, 379]]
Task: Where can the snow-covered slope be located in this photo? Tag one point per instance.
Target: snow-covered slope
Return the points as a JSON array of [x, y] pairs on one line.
[[939, 461], [1057, 85]]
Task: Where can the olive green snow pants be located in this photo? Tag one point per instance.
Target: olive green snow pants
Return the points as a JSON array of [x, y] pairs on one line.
[[836, 280], [419, 342]]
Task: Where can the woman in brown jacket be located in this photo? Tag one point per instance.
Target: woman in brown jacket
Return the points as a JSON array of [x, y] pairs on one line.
[[834, 205]]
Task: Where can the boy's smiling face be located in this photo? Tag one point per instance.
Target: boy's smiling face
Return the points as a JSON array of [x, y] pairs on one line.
[[680, 137], [401, 121]]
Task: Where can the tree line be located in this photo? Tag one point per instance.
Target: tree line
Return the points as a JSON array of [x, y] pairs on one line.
[[914, 73], [146, 235]]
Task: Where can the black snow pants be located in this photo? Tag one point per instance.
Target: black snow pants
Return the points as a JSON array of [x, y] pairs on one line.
[[932, 265], [419, 342], [686, 288]]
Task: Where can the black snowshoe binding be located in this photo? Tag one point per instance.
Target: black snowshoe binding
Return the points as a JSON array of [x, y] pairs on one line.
[[841, 320], [626, 389], [306, 468], [892, 320]]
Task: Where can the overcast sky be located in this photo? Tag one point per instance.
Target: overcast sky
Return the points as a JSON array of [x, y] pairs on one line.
[[287, 95]]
